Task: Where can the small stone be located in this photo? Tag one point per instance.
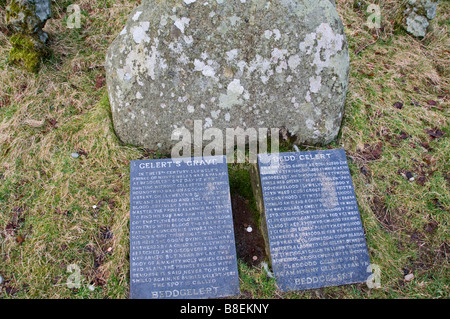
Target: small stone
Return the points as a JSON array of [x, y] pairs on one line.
[[249, 229], [409, 277], [255, 258], [409, 176], [1, 280], [91, 288], [94, 207], [75, 155]]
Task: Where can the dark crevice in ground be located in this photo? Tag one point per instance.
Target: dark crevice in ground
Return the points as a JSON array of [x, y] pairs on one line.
[[250, 246]]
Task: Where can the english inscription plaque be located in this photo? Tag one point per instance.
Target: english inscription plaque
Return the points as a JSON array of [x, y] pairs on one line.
[[181, 230], [312, 222]]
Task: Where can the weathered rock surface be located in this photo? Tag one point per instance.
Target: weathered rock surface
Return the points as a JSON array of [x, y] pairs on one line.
[[25, 19], [229, 63], [416, 15]]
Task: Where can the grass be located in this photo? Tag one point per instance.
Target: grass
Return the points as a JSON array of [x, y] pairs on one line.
[[47, 219]]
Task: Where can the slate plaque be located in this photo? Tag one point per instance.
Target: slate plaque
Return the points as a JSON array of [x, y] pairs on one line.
[[312, 222], [182, 239]]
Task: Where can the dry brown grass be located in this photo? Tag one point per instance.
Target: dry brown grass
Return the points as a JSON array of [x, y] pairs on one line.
[[46, 196]]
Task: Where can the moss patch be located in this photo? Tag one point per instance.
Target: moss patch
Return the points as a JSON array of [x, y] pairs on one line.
[[25, 53], [28, 46]]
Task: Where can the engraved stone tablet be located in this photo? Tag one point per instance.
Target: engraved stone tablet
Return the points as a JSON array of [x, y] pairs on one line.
[[312, 222], [182, 240]]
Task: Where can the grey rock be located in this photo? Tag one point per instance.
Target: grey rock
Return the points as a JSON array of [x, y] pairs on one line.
[[42, 9], [75, 155], [417, 25], [25, 19], [29, 16], [417, 15], [229, 63]]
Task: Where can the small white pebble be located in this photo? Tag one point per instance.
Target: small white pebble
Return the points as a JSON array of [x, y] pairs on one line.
[[249, 229], [91, 287], [94, 207], [409, 277], [1, 280], [75, 155]]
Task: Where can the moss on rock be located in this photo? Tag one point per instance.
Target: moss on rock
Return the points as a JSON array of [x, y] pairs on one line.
[[25, 19], [26, 52]]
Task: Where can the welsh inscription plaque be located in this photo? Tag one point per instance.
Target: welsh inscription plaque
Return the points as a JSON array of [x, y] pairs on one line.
[[312, 222], [181, 229]]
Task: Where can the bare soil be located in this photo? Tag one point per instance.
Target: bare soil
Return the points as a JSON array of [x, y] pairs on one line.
[[248, 244]]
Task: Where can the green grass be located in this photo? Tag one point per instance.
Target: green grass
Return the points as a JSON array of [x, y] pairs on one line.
[[47, 197]]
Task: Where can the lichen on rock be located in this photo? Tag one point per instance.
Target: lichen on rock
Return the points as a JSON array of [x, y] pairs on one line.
[[415, 16], [25, 19], [249, 64]]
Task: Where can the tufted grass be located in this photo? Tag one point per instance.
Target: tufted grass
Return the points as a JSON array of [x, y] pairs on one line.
[[47, 219]]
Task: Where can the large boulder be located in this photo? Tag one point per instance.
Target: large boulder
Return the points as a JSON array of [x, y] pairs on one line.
[[230, 63]]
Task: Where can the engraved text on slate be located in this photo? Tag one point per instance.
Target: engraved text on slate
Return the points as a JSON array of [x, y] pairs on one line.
[[182, 239], [313, 222]]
